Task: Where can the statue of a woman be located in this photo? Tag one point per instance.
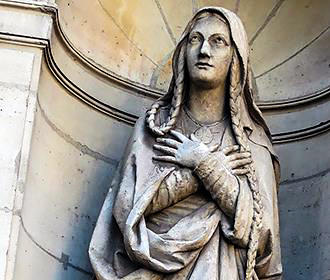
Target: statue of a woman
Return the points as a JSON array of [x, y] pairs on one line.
[[195, 196]]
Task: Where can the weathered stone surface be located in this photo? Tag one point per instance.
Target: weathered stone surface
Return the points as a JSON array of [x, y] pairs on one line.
[[186, 200], [299, 54], [14, 94]]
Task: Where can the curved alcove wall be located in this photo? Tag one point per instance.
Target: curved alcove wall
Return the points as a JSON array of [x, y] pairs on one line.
[[74, 152], [289, 40], [106, 61], [304, 208]]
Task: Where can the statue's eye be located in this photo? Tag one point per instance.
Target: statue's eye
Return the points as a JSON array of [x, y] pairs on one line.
[[194, 39], [219, 41]]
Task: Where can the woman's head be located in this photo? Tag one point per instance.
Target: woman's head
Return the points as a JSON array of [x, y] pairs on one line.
[[208, 51], [231, 61], [203, 56]]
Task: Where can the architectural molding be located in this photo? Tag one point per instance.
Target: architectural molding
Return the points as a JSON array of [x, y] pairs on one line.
[[156, 93], [22, 158], [295, 102], [306, 178], [82, 95], [63, 260], [81, 147], [131, 87], [301, 134]]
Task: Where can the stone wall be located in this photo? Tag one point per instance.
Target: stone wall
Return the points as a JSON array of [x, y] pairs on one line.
[[80, 79], [17, 98]]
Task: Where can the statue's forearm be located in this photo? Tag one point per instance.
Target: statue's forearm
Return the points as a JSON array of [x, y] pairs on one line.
[[178, 185], [219, 182]]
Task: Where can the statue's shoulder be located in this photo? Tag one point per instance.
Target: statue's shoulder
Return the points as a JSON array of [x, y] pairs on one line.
[[259, 137], [263, 147], [161, 117], [141, 130]]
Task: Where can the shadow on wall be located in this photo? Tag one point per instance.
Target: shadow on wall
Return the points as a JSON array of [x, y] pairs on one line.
[[304, 211]]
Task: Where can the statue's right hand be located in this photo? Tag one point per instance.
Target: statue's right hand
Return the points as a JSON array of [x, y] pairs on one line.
[[235, 161], [181, 150]]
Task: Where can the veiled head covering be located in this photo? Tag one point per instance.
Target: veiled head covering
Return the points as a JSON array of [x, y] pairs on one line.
[[249, 111]]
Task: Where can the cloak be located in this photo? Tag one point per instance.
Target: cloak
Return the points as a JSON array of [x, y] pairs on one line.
[[158, 222]]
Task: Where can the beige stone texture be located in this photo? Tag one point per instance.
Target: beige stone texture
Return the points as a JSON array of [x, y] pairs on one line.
[[14, 94], [99, 75], [252, 17], [119, 29], [69, 183], [228, 4], [175, 15], [302, 75], [13, 22], [296, 24], [102, 88], [279, 28]]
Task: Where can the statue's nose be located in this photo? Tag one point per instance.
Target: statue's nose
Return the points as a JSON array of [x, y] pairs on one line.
[[205, 49]]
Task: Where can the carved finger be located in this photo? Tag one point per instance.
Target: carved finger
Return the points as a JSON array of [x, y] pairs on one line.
[[178, 135], [236, 156], [194, 138], [168, 142], [214, 148], [165, 159], [230, 149], [164, 149], [159, 132], [239, 163], [242, 171]]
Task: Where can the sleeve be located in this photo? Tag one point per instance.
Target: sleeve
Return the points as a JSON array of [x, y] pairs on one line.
[[176, 186], [268, 263], [138, 187], [233, 196]]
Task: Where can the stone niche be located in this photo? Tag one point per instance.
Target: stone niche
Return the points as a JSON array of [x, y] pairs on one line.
[[77, 74]]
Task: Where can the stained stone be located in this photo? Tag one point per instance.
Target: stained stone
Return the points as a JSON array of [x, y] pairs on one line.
[[195, 196]]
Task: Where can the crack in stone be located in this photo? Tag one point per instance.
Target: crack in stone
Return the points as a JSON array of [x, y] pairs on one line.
[[126, 36], [79, 146], [237, 6], [17, 162], [5, 209], [64, 260], [168, 28], [194, 4], [319, 174], [295, 54], [268, 19], [156, 72]]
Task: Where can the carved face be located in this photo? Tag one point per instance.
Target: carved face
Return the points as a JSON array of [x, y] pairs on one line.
[[209, 52]]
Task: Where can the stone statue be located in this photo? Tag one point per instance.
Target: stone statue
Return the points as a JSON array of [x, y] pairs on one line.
[[195, 196]]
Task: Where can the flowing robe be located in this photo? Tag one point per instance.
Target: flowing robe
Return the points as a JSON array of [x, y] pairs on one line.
[[162, 221]]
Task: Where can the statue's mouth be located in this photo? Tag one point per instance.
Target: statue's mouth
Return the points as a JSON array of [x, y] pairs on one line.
[[203, 65]]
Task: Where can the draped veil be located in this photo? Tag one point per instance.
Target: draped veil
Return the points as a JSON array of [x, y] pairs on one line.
[[200, 240]]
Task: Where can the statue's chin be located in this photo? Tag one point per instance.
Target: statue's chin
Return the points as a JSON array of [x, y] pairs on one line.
[[205, 82]]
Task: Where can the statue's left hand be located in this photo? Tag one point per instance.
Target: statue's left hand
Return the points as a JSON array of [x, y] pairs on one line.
[[181, 150]]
